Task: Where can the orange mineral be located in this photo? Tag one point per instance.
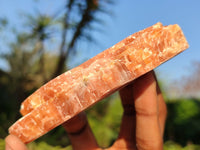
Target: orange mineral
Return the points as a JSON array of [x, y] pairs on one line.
[[79, 88]]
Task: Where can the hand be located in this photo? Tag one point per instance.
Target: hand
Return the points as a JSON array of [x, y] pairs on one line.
[[142, 123]]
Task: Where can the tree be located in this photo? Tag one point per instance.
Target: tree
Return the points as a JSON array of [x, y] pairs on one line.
[[29, 53], [30, 63], [80, 26]]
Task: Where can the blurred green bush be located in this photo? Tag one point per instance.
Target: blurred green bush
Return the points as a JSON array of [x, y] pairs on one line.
[[169, 145], [183, 121]]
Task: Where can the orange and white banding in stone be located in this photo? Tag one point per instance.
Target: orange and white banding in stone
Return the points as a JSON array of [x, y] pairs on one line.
[[81, 87]]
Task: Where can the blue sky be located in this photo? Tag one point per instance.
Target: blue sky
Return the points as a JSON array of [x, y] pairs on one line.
[[131, 16], [135, 15]]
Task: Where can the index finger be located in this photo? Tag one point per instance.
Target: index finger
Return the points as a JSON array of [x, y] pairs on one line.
[[148, 132]]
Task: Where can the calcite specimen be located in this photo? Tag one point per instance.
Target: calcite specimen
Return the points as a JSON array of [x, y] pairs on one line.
[[77, 89]]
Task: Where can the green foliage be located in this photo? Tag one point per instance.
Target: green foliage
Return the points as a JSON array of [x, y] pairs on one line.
[[45, 146], [57, 136], [192, 147], [2, 144], [170, 145], [5, 122], [186, 110], [183, 121], [40, 26], [38, 146]]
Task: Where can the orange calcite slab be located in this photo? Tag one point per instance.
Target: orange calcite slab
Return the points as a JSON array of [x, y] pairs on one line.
[[77, 89]]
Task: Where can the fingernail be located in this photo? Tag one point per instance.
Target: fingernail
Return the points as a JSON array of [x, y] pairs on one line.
[[8, 147]]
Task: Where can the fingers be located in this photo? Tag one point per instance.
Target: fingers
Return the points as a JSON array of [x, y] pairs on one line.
[[80, 133], [162, 108], [14, 143], [144, 115], [162, 112], [148, 130], [126, 138]]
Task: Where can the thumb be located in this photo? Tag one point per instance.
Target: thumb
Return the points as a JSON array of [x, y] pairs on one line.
[[14, 143]]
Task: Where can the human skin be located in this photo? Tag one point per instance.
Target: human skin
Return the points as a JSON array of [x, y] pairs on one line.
[[142, 123]]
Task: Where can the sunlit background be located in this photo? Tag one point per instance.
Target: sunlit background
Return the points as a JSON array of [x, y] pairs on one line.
[[31, 44]]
